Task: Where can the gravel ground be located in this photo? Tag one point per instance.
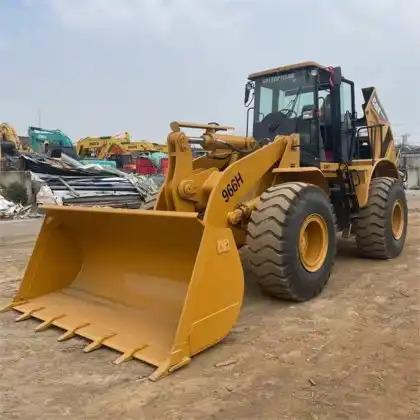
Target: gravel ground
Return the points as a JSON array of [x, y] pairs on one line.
[[351, 353]]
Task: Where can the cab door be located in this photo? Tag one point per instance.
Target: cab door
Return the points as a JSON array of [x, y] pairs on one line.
[[347, 113]]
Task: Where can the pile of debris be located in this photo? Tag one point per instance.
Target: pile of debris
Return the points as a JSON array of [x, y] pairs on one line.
[[66, 181], [11, 210], [92, 190]]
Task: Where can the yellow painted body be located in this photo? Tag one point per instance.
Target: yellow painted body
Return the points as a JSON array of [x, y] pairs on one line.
[[152, 304], [178, 292], [170, 283]]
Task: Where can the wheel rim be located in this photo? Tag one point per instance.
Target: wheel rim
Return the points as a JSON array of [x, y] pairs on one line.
[[397, 221], [313, 242]]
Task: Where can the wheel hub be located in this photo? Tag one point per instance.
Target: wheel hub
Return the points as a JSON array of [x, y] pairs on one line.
[[313, 242], [397, 220]]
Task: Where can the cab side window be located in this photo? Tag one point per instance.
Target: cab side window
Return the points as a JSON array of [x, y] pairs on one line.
[[266, 103], [345, 101]]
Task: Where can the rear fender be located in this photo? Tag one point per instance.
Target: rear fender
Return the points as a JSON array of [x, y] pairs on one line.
[[382, 167]]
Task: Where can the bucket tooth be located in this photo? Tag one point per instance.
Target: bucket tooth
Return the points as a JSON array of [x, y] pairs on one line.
[[11, 305], [28, 314], [95, 344], [48, 322], [71, 333], [128, 354], [165, 368]]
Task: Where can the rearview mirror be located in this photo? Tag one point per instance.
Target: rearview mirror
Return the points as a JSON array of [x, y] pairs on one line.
[[248, 88]]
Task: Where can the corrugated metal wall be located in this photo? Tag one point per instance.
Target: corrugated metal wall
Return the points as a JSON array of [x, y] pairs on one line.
[[412, 163]]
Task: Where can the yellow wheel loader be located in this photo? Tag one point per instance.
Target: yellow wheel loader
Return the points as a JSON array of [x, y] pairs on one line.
[[174, 285]]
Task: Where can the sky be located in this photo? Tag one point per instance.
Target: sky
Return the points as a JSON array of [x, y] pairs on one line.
[[99, 67]]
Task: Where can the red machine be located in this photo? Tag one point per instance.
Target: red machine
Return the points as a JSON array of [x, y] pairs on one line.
[[145, 167]]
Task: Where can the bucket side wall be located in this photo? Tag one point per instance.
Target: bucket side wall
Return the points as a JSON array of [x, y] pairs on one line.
[[54, 263]]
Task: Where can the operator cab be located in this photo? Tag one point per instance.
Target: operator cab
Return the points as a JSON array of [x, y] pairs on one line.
[[314, 101]]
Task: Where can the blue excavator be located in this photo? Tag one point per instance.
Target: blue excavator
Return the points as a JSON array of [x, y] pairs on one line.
[[51, 142]]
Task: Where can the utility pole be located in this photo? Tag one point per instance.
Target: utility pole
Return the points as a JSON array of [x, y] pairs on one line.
[[405, 137], [39, 118]]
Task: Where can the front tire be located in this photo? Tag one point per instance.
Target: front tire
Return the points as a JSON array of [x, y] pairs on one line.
[[381, 226], [291, 238]]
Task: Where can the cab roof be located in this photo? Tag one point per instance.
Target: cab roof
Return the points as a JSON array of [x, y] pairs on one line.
[[283, 69]]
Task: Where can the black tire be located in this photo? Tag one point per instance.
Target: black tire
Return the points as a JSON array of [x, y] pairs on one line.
[[273, 239], [150, 201], [373, 226]]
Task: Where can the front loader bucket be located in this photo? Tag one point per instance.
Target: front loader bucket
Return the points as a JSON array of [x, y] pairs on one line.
[[155, 286]]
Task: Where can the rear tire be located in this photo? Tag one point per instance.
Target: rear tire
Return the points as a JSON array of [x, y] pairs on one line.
[[150, 201], [291, 238], [381, 226]]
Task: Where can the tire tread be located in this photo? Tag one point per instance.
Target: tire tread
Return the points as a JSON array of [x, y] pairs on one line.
[[370, 227], [268, 260]]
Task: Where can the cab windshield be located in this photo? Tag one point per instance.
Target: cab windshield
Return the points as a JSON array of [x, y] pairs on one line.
[[291, 94]]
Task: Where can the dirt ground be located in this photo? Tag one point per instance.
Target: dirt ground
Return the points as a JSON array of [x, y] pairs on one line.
[[351, 353]]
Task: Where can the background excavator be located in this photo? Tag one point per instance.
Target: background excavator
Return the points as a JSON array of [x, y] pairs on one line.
[[97, 147], [310, 169], [101, 147], [50, 142], [9, 140], [118, 148]]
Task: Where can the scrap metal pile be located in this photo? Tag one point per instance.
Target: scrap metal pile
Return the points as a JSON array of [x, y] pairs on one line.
[[11, 210], [92, 190], [66, 181]]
